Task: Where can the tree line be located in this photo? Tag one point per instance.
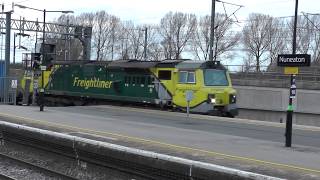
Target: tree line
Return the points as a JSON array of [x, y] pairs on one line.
[[182, 35]]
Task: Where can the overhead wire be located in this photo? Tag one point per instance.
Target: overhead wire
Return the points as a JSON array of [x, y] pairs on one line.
[[310, 21]]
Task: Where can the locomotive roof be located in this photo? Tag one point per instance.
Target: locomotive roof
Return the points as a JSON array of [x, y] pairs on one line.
[[80, 62], [179, 64], [132, 64], [186, 65]]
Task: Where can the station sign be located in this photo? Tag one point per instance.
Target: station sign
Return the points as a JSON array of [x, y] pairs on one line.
[[294, 60]]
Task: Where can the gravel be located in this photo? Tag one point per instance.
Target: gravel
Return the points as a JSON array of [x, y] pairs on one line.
[[65, 165]]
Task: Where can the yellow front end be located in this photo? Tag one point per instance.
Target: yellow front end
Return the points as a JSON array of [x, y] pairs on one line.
[[206, 99]]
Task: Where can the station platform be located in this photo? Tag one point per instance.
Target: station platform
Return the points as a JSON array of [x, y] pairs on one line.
[[248, 145]]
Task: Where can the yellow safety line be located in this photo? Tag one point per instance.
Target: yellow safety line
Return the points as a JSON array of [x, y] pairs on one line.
[[169, 145]]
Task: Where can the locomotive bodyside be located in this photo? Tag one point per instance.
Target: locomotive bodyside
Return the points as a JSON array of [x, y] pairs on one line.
[[163, 83]]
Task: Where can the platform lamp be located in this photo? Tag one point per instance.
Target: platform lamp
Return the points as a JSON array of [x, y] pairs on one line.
[[43, 68]]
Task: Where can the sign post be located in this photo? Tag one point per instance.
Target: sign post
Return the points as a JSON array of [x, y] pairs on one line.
[[291, 62], [189, 97]]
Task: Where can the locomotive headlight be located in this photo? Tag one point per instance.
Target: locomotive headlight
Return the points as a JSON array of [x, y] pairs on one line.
[[232, 99], [211, 98]]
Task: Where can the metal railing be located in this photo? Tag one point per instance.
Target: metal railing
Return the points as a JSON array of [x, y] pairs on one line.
[[308, 77], [314, 71], [8, 90]]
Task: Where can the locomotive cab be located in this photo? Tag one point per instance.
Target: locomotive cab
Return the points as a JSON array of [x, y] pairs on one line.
[[211, 87]]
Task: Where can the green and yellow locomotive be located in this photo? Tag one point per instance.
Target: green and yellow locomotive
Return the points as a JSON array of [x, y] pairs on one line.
[[163, 83]]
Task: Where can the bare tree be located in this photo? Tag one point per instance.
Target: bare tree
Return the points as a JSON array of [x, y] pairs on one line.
[[316, 44], [154, 50], [308, 39], [176, 30], [255, 37], [304, 35], [85, 19], [128, 41], [278, 39], [123, 42], [224, 38], [315, 38], [103, 29], [201, 40]]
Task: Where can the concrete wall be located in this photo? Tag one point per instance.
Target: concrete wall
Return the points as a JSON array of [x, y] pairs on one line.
[[270, 104]]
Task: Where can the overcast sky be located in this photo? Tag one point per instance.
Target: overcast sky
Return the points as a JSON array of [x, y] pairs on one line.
[[151, 11]]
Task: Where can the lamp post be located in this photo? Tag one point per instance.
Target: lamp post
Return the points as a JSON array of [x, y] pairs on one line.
[[288, 133], [43, 68]]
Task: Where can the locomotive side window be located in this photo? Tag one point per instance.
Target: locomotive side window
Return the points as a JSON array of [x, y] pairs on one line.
[[129, 79], [149, 80], [143, 79], [133, 80], [164, 75], [187, 77]]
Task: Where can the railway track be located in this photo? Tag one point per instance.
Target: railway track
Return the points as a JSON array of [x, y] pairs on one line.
[[5, 177], [33, 167]]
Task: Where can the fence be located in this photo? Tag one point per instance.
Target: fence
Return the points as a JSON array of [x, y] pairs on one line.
[[308, 77], [8, 90], [314, 70]]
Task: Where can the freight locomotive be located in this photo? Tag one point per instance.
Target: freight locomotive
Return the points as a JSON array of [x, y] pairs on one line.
[[162, 83]]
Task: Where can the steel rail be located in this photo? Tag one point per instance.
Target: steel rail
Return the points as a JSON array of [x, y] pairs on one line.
[[5, 177], [42, 169]]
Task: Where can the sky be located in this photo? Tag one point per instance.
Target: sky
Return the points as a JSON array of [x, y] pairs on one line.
[[151, 11]]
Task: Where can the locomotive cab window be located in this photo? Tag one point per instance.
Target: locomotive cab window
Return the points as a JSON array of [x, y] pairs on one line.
[[164, 75], [187, 77], [215, 77]]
